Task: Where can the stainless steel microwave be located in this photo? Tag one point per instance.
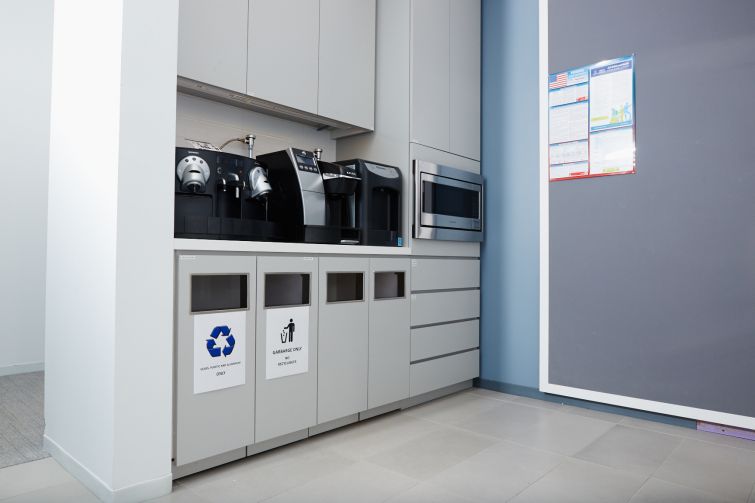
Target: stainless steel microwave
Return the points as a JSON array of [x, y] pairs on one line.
[[447, 203]]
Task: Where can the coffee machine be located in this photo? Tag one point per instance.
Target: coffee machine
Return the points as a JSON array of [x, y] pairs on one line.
[[297, 203], [378, 206], [341, 184], [221, 196]]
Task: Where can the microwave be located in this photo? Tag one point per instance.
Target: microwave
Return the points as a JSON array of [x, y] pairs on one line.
[[447, 203]]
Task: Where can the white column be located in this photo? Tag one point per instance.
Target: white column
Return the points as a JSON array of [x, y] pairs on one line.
[[108, 389]]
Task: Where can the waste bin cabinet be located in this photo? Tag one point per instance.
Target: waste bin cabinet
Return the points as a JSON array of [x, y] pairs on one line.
[[389, 332], [286, 345], [342, 336], [214, 355]]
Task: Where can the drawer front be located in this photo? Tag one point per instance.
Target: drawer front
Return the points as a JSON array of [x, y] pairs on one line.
[[442, 307], [441, 372], [437, 340], [444, 274]]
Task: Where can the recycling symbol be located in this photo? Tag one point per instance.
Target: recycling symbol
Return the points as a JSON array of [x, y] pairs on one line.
[[221, 341]]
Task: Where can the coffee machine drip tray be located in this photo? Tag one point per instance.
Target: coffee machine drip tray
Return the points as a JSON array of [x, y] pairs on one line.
[[202, 227]]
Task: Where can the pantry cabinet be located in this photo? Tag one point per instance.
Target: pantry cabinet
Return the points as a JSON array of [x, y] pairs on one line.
[[212, 42], [465, 72], [283, 52], [445, 75], [389, 336], [214, 355], [303, 59], [347, 61], [342, 351], [286, 349]]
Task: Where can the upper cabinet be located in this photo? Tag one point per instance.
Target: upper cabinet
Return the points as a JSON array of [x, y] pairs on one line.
[[212, 42], [284, 56], [347, 61], [445, 75], [430, 86], [465, 70], [283, 52]]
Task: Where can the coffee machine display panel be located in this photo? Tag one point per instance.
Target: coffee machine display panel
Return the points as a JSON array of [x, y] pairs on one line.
[[306, 163]]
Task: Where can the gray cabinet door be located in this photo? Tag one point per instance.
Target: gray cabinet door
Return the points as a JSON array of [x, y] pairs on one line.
[[286, 395], [389, 336], [430, 67], [347, 61], [342, 338], [283, 52], [465, 46], [208, 423], [212, 42]]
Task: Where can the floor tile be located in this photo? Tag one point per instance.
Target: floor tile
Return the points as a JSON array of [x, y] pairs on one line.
[[362, 440], [660, 491], [431, 453], [631, 449], [68, 492], [711, 468], [264, 478], [18, 479], [428, 493], [536, 402], [363, 482], [691, 433], [180, 494], [497, 473], [581, 482], [564, 433], [453, 409], [594, 414], [541, 428], [489, 393], [507, 420]]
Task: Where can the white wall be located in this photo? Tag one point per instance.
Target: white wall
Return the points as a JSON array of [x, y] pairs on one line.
[[201, 119], [26, 56], [108, 392]]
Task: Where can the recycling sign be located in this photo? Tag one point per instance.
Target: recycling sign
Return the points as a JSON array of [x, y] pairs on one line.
[[224, 345], [219, 354]]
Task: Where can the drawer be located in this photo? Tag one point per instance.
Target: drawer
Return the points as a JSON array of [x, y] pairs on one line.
[[441, 307], [444, 274], [437, 340], [441, 372]]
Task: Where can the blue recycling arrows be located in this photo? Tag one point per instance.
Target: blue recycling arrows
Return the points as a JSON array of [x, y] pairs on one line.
[[212, 346]]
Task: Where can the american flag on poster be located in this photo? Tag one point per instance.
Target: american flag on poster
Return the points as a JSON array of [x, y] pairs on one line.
[[557, 80]]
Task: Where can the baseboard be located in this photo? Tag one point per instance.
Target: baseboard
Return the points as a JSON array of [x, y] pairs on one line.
[[22, 368], [138, 492], [526, 391]]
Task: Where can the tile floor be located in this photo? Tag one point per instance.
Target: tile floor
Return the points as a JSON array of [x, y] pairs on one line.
[[476, 445]]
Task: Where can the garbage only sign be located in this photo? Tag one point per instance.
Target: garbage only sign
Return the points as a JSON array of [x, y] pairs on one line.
[[286, 341], [219, 340]]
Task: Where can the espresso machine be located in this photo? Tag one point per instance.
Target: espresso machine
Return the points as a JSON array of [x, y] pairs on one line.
[[297, 202], [378, 202], [221, 196]]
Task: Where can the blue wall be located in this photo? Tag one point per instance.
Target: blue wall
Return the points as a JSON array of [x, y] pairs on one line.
[[510, 253]]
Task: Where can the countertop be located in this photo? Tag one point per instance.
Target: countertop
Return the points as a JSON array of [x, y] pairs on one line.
[[276, 247]]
